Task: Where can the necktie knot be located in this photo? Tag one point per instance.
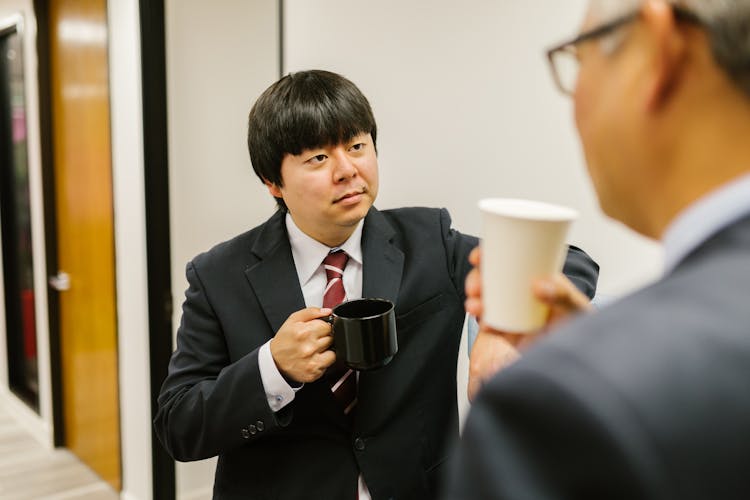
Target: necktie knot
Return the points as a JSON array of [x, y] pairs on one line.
[[334, 264]]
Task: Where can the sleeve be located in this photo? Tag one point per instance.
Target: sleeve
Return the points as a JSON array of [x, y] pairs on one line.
[[208, 405], [472, 330], [526, 436], [278, 391], [458, 247], [581, 270]]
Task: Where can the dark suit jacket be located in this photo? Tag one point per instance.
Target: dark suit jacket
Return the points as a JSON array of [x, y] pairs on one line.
[[213, 401], [647, 399]]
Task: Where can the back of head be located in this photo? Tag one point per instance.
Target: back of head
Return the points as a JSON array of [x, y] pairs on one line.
[[304, 110], [727, 23]]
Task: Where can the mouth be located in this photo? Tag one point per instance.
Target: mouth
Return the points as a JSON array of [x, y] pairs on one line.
[[352, 196]]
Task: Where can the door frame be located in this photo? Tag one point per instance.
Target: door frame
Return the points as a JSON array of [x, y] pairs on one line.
[[158, 259], [41, 12]]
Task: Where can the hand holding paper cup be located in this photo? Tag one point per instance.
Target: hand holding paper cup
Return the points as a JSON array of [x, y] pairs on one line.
[[521, 240]]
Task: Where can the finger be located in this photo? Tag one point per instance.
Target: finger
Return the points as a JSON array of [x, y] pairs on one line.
[[475, 383], [473, 284], [326, 358], [475, 256], [485, 328], [474, 307], [558, 291], [309, 314], [514, 339], [324, 343], [318, 329]]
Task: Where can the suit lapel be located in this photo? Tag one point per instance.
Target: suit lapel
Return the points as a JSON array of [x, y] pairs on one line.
[[383, 262], [274, 277], [383, 265]]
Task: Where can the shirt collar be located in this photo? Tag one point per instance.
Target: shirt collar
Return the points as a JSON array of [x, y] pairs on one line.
[[309, 253], [704, 218]]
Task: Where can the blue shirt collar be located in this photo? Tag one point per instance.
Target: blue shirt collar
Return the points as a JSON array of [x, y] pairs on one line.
[[704, 218]]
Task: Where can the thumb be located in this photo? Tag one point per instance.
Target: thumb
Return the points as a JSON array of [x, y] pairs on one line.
[[560, 293]]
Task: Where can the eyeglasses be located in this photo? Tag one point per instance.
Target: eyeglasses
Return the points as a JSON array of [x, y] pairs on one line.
[[563, 58]]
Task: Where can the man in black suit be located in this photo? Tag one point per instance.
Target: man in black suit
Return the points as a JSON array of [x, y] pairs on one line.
[[249, 380], [648, 398]]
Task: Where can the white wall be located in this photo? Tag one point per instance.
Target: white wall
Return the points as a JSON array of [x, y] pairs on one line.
[[220, 56], [466, 108], [130, 248]]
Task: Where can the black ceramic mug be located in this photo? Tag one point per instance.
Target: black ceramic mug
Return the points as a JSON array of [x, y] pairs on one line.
[[364, 333]]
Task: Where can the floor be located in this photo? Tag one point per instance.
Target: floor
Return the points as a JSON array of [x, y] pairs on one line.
[[30, 471]]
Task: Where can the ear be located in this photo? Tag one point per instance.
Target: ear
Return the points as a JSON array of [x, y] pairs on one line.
[[273, 188], [667, 52]]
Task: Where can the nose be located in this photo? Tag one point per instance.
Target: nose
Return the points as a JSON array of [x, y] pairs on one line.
[[344, 167]]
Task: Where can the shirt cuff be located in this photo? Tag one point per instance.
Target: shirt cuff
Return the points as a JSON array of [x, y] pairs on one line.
[[472, 330], [278, 392]]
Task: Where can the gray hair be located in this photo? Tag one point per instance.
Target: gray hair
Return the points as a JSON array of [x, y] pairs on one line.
[[727, 23]]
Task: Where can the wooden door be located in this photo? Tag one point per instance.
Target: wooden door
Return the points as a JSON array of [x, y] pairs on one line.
[[83, 187]]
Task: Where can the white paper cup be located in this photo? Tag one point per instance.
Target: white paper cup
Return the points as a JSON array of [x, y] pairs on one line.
[[521, 240]]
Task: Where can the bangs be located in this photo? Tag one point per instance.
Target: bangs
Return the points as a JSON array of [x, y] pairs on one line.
[[320, 116]]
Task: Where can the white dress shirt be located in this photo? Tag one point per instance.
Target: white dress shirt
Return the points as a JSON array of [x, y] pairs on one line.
[[704, 218], [308, 257]]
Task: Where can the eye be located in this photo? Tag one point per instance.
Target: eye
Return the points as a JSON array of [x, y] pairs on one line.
[[317, 158], [357, 147]]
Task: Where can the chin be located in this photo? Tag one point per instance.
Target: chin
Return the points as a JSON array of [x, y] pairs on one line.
[[353, 217]]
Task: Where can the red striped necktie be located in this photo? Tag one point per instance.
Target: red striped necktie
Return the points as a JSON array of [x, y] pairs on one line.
[[342, 379]]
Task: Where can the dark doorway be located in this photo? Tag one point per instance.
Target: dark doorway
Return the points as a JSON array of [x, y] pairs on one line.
[[15, 220]]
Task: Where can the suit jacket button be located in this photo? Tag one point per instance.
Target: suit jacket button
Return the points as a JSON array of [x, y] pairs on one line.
[[359, 444], [253, 430], [260, 425], [245, 433]]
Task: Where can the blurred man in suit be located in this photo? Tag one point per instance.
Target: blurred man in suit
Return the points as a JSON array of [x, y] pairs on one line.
[[650, 396]]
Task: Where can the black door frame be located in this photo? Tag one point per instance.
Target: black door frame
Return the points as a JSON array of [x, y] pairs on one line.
[[156, 171], [41, 13]]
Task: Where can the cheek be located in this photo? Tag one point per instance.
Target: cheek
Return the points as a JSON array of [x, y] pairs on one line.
[[585, 98], [374, 180], [593, 134], [585, 118], [369, 172], [304, 190], [598, 119]]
